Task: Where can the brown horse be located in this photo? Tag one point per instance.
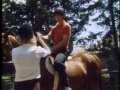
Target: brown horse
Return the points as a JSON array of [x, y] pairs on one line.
[[83, 70], [9, 41]]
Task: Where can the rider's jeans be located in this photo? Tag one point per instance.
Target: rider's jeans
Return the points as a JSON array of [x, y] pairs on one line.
[[60, 67]]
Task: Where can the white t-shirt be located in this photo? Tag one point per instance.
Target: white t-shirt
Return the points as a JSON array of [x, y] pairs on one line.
[[26, 59]]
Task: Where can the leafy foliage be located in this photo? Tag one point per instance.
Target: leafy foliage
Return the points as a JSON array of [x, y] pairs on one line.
[[39, 14]]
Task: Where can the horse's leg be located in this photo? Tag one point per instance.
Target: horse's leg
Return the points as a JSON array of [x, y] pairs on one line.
[[76, 83], [92, 84], [96, 82], [56, 81], [37, 86]]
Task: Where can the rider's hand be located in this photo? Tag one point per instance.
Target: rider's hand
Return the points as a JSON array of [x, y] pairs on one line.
[[45, 37]]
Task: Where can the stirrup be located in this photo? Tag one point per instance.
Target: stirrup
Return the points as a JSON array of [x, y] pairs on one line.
[[49, 62]]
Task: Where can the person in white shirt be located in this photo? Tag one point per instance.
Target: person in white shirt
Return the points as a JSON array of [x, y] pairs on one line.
[[26, 59]]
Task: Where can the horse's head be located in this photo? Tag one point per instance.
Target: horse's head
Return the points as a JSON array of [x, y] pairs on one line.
[[8, 43]]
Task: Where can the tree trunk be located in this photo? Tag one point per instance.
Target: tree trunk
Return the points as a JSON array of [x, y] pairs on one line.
[[113, 24]]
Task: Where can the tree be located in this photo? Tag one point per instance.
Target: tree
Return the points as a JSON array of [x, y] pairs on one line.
[[39, 14], [109, 17]]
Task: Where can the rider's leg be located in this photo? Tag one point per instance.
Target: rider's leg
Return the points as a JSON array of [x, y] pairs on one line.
[[60, 67]]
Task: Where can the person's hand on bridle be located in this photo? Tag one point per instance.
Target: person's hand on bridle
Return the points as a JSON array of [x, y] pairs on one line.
[[38, 35]]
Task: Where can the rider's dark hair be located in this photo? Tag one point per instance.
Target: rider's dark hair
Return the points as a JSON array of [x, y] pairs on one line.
[[59, 11]]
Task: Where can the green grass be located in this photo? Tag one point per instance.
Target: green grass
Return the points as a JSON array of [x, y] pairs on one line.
[[7, 82]]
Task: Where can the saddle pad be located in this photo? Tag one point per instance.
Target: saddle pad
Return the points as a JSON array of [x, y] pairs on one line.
[[49, 65]]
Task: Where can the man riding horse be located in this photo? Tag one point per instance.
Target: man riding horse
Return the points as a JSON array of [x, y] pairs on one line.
[[60, 35]]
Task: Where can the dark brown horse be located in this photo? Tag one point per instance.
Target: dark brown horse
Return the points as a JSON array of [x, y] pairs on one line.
[[83, 70]]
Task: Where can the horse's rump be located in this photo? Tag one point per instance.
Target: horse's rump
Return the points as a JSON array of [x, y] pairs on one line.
[[83, 71]]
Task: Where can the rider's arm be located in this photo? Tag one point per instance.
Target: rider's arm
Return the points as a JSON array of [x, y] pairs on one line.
[[48, 35]]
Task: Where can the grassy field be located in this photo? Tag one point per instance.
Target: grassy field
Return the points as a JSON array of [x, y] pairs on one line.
[[7, 82]]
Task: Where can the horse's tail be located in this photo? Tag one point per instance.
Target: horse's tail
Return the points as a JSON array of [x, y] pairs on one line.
[[100, 73], [98, 60]]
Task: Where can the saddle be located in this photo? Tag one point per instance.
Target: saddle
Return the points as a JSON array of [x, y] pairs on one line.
[[49, 62]]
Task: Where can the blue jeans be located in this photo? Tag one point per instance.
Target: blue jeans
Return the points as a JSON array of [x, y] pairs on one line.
[[59, 61], [60, 67]]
